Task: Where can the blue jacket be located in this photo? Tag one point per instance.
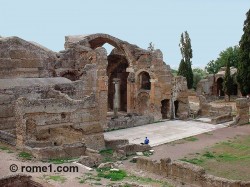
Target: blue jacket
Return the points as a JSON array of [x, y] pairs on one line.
[[146, 141]]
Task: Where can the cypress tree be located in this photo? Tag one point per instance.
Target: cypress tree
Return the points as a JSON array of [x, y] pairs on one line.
[[228, 81], [187, 55], [243, 74], [182, 68]]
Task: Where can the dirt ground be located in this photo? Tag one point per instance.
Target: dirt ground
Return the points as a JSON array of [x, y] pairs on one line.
[[179, 149], [174, 150], [191, 146]]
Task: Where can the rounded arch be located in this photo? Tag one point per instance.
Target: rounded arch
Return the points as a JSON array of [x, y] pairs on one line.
[[144, 80], [152, 75], [98, 40]]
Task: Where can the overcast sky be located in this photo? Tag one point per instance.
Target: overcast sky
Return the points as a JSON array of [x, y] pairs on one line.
[[213, 25]]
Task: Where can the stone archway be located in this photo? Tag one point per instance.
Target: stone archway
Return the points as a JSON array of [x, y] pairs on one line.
[[127, 52], [118, 61], [97, 40], [220, 91], [117, 65]]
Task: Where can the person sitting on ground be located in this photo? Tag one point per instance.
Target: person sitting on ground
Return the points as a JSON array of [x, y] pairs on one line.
[[146, 141]]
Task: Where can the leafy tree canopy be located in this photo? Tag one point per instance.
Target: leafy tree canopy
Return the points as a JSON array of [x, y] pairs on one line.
[[198, 75], [232, 53], [243, 74]]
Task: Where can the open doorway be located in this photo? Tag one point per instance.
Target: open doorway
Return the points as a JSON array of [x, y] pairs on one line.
[[220, 91], [117, 65], [176, 106], [165, 108], [235, 89]]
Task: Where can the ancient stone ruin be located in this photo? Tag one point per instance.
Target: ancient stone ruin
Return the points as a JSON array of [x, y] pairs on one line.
[[212, 85], [242, 116], [55, 102]]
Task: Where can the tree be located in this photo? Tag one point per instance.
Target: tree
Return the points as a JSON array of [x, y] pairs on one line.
[[185, 67], [231, 52], [243, 74], [228, 81], [212, 67], [182, 68], [198, 75], [151, 47]]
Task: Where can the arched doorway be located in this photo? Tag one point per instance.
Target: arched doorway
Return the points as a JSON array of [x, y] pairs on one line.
[[165, 108], [117, 65], [220, 91]]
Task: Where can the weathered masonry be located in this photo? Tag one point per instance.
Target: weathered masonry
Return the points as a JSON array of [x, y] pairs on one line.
[[61, 99]]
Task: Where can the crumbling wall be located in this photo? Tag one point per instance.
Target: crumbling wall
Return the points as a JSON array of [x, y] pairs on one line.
[[44, 110], [63, 125], [180, 94], [217, 114], [138, 100], [205, 86], [19, 58], [186, 173], [78, 62], [12, 89], [242, 117], [58, 119], [128, 121], [72, 150]]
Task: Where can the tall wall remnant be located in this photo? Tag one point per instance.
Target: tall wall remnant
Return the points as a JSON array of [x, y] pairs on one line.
[[242, 117], [44, 95]]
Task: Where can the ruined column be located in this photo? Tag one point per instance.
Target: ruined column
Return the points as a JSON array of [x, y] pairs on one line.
[[130, 90], [116, 103]]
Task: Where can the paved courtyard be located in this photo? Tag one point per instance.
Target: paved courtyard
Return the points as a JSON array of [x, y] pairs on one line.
[[163, 132]]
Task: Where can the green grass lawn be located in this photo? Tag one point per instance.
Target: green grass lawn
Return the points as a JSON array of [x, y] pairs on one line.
[[230, 159]]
